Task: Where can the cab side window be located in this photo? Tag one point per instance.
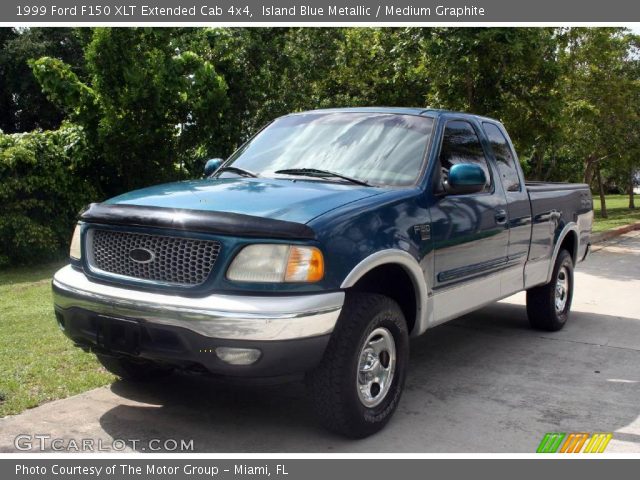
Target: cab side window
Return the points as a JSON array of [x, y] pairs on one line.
[[504, 158], [460, 144]]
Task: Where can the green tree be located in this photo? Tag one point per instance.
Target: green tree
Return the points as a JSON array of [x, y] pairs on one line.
[[368, 67], [23, 106], [252, 62], [600, 101], [42, 188], [507, 73], [150, 108]]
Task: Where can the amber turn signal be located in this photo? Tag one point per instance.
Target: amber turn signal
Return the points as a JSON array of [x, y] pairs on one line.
[[305, 264]]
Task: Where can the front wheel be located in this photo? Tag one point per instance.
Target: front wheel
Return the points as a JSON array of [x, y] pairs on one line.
[[358, 384], [548, 306]]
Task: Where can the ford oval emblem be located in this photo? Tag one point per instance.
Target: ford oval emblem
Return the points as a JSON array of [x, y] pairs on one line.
[[141, 255]]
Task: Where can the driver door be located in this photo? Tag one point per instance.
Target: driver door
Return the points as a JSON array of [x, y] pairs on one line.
[[470, 231]]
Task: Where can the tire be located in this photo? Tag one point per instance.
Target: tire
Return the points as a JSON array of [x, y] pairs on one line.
[[347, 401], [545, 310], [132, 370]]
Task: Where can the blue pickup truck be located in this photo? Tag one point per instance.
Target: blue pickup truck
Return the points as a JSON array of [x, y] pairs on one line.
[[319, 248]]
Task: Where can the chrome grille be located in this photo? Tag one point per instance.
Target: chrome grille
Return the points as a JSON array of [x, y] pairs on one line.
[[175, 260]]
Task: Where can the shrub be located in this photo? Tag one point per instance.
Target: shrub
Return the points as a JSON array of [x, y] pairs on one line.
[[43, 185]]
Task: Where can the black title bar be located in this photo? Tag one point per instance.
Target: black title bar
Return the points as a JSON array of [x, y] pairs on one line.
[[316, 11]]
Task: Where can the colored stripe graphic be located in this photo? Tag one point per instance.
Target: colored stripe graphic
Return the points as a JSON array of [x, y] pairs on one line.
[[598, 443], [574, 442], [578, 447], [550, 442]]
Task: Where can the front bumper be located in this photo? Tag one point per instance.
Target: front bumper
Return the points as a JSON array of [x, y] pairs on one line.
[[290, 331]]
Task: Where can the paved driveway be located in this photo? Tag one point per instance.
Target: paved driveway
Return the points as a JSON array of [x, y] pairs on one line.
[[482, 383]]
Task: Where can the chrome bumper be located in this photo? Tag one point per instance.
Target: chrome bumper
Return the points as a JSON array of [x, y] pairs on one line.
[[233, 317]]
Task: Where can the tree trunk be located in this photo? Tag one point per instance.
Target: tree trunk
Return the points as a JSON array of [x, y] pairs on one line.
[[603, 200], [549, 171], [589, 165], [632, 203], [538, 162]]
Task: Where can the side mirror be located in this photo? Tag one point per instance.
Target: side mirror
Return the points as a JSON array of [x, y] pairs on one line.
[[212, 165], [465, 178]]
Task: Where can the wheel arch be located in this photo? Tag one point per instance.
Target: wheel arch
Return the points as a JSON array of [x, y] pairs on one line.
[[401, 261], [568, 239]]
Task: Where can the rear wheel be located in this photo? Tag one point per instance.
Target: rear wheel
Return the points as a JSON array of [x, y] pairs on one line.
[[131, 369], [548, 306], [357, 386]]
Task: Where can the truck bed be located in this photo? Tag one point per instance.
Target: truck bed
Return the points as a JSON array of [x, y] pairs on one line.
[[554, 206]]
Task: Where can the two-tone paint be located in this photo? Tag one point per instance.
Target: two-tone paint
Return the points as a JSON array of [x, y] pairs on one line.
[[460, 251]]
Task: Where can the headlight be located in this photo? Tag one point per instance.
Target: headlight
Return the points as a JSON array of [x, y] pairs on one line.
[[277, 263], [74, 251]]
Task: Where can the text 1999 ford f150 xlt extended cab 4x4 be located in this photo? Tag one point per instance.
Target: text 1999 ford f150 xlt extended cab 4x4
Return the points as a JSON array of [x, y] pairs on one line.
[[319, 248]]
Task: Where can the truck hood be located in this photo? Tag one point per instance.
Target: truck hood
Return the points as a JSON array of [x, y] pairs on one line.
[[280, 199]]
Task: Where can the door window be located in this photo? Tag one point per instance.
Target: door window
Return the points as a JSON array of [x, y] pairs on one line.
[[504, 158], [460, 144]]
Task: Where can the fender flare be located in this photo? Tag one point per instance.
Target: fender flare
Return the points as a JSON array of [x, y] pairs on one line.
[[569, 227], [411, 267]]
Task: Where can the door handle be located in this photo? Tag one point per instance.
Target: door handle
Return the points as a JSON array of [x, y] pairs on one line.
[[555, 215], [501, 217]]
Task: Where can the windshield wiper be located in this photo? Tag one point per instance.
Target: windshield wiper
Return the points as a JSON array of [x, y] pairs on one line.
[[238, 170], [316, 172]]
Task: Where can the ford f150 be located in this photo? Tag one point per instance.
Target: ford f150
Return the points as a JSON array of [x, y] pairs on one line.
[[319, 248]]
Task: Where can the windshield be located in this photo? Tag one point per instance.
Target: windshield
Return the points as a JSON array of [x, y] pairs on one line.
[[380, 149]]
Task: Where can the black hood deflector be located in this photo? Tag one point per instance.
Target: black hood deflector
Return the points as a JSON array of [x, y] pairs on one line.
[[222, 223]]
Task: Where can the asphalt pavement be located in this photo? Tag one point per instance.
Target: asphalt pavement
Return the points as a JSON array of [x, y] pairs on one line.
[[483, 383]]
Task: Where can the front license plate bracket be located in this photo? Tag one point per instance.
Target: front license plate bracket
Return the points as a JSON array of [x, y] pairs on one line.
[[118, 334]]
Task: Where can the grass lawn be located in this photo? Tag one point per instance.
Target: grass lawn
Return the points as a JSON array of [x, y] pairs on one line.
[[37, 362], [617, 210]]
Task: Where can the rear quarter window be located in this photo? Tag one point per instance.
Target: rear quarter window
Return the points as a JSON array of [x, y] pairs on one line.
[[504, 157]]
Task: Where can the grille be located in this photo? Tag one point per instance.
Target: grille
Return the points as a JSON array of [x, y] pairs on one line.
[[176, 260]]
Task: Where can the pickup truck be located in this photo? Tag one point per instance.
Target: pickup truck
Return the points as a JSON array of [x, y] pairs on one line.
[[317, 250]]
